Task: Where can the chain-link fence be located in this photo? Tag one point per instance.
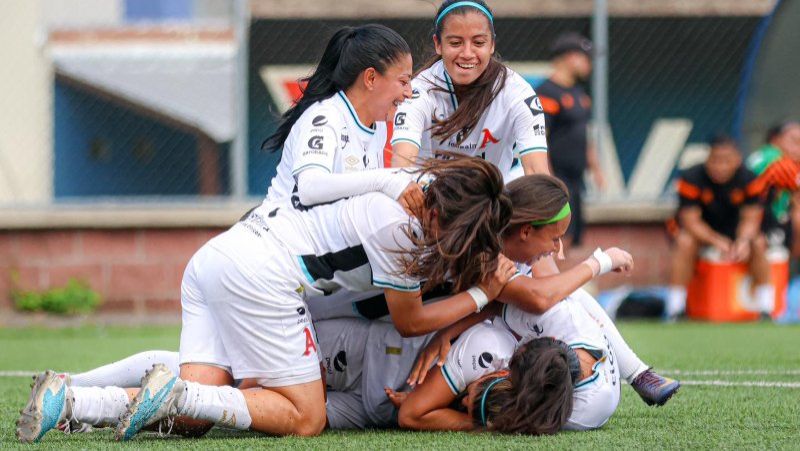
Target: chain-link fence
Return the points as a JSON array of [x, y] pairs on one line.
[[148, 112]]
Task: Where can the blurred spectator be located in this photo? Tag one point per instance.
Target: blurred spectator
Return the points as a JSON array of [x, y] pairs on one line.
[[783, 142], [719, 207], [567, 110]]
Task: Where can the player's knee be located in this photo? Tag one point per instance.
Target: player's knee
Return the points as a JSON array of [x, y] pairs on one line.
[[759, 245], [685, 242], [310, 424], [406, 419]]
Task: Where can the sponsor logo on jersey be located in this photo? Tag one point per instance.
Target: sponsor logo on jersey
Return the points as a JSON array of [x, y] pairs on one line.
[[315, 142], [415, 93], [310, 345], [319, 121], [539, 330], [340, 361], [485, 360], [534, 104], [344, 138], [301, 310], [400, 119], [351, 161], [488, 138], [538, 130]]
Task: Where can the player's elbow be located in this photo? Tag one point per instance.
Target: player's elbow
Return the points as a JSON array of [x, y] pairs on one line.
[[408, 329], [407, 418]]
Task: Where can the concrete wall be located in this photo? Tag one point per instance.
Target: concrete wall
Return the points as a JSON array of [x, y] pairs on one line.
[[25, 105]]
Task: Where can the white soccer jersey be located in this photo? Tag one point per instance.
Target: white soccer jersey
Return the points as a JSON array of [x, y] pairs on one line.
[[482, 349], [329, 136], [512, 126], [354, 243], [596, 397]]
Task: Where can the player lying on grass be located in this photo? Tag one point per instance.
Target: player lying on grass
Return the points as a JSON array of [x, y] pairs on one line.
[[243, 299], [523, 242]]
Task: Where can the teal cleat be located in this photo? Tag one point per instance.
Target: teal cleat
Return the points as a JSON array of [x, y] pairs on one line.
[[49, 403], [654, 389], [155, 401]]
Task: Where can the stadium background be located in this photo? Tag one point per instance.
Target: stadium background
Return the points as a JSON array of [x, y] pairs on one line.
[[121, 138]]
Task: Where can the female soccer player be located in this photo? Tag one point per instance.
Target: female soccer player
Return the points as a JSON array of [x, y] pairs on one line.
[[243, 299], [332, 139], [467, 101]]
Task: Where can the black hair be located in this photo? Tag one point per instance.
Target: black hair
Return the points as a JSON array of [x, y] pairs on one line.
[[722, 139], [778, 128], [350, 51], [475, 98]]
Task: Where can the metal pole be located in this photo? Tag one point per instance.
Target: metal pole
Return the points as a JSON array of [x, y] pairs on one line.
[[600, 74], [238, 154]]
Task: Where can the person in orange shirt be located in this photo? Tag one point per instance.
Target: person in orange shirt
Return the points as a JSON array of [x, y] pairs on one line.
[[719, 206], [567, 109]]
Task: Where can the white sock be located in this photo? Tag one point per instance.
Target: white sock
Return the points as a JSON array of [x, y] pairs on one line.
[[765, 297], [225, 406], [629, 363], [127, 372], [676, 300], [98, 406]]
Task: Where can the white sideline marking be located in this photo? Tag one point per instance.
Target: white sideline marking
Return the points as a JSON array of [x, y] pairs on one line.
[[18, 373], [753, 372], [718, 383]]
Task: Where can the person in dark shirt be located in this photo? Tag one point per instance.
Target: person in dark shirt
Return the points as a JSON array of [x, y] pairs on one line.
[[567, 110], [719, 206]]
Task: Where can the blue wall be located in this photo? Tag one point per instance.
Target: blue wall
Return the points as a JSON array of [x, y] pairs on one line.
[[168, 165]]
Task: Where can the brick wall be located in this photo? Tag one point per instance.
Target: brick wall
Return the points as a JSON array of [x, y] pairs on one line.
[[136, 271], [139, 270]]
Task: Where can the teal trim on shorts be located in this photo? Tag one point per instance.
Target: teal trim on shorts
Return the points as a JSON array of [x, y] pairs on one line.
[[449, 381]]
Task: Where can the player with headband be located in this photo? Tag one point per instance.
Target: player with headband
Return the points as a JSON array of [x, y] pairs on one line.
[[244, 312], [465, 100]]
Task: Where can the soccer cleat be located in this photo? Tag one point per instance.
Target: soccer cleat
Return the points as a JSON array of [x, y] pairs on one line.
[[49, 403], [654, 389], [155, 401]]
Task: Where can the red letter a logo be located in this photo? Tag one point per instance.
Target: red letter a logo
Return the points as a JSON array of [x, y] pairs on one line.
[[487, 137], [309, 342]]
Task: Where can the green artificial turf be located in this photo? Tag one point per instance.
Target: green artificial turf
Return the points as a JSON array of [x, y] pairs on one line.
[[700, 416]]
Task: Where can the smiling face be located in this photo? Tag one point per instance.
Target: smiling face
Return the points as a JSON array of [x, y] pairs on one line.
[[527, 244], [391, 88], [466, 45]]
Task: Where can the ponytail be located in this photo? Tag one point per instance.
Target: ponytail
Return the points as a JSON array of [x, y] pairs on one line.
[[349, 52]]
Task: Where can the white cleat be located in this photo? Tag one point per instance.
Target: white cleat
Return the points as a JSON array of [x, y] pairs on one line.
[[48, 404], [155, 401]]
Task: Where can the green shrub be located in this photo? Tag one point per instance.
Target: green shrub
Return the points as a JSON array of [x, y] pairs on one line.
[[76, 297]]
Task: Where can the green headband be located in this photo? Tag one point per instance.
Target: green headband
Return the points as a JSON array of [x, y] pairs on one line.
[[559, 216]]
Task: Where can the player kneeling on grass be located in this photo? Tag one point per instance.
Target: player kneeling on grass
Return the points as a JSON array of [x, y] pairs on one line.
[[244, 312]]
